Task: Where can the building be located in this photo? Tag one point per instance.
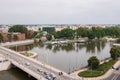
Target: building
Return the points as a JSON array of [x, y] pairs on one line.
[[12, 36], [33, 28]]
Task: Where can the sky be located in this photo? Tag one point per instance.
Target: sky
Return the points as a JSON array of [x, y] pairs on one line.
[[59, 11]]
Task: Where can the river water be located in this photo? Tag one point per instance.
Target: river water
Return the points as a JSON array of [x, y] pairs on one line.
[[66, 57]]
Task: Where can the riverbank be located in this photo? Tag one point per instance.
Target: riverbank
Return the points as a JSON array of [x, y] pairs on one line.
[[101, 70], [66, 41], [106, 75]]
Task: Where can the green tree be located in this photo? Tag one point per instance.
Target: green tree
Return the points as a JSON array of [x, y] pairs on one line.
[[98, 31], [9, 37], [18, 28], [15, 37], [39, 34], [57, 34], [91, 35], [81, 32], [118, 40], [30, 34], [115, 52], [1, 38], [49, 37], [50, 30], [93, 62], [34, 34], [113, 31], [65, 33]]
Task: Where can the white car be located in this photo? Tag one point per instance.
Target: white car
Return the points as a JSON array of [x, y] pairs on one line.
[[52, 75], [27, 63]]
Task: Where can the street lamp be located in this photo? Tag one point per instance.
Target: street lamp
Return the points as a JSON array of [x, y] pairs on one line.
[[91, 68], [16, 48]]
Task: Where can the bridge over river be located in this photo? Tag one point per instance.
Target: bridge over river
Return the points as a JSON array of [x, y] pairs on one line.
[[33, 67]]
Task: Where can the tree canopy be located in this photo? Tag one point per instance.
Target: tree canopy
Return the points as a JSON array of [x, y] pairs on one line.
[[93, 62], [65, 33], [81, 32], [115, 52], [50, 30], [1, 37], [18, 28]]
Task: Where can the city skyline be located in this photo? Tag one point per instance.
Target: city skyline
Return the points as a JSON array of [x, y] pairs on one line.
[[59, 12]]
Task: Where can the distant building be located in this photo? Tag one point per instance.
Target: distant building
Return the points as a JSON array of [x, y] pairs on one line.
[[4, 28], [59, 28], [33, 28], [21, 36]]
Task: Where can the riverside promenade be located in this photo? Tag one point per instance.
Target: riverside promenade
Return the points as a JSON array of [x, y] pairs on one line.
[[103, 77]]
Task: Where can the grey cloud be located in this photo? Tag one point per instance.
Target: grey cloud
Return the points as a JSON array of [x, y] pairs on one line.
[[59, 11]]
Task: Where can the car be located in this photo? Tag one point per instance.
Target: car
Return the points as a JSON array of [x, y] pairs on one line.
[[46, 73], [39, 70], [48, 77], [27, 64], [53, 75], [0, 61]]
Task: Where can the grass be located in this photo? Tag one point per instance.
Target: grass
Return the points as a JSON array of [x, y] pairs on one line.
[[102, 69], [26, 53]]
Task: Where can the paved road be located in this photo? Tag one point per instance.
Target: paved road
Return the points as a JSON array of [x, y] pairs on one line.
[[31, 65], [114, 76]]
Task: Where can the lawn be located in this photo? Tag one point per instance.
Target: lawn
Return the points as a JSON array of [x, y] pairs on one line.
[[26, 53], [102, 69]]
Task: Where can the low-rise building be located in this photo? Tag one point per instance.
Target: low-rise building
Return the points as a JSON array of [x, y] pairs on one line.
[[12, 36]]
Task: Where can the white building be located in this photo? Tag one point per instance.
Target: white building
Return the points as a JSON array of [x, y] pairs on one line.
[[33, 28]]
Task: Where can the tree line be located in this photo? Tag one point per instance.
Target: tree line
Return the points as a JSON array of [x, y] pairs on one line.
[[90, 33], [67, 33]]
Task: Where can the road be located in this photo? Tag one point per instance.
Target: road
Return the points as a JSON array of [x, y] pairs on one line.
[[31, 65], [114, 76]]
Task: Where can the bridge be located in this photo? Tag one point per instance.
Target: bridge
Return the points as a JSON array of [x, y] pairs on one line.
[[33, 67]]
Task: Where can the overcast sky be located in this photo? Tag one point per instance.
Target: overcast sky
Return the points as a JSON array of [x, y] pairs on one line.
[[59, 11]]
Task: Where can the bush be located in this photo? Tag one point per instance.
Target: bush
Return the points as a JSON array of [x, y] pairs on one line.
[[118, 40], [93, 62], [114, 52], [101, 70], [49, 37], [18, 28]]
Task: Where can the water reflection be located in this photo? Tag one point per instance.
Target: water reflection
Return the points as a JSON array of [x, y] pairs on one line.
[[90, 47], [63, 47], [23, 47], [93, 47]]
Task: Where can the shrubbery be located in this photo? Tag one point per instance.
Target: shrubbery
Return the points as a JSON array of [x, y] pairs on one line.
[[115, 52], [93, 62]]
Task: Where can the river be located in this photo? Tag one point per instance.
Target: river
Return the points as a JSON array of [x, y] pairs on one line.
[[66, 57]]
